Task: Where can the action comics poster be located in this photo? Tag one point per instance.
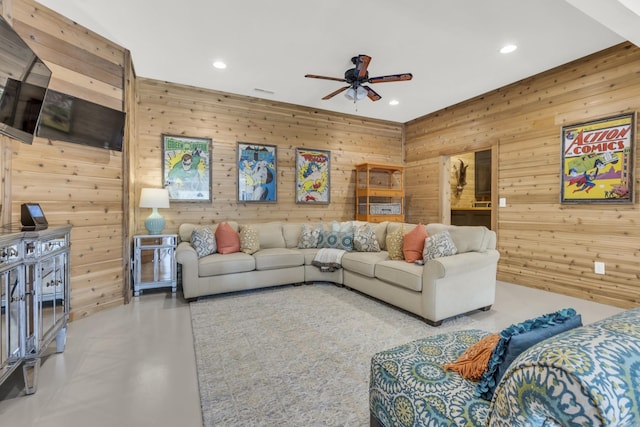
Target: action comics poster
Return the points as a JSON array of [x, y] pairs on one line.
[[597, 161]]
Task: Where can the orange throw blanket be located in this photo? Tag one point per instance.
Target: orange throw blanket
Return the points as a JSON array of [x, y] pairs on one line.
[[474, 361]]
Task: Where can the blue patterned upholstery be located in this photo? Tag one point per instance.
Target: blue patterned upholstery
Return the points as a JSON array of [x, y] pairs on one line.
[[408, 386], [588, 376]]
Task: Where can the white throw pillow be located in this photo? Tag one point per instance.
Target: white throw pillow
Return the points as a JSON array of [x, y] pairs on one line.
[[439, 245], [203, 241], [364, 239]]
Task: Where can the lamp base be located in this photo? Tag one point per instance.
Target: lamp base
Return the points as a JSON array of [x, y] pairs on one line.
[[155, 222]]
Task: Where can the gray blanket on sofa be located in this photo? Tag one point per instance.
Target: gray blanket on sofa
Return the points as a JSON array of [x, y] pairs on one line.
[[328, 259]]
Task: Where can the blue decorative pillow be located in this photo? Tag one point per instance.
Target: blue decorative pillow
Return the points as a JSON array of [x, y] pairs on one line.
[[517, 338], [336, 240]]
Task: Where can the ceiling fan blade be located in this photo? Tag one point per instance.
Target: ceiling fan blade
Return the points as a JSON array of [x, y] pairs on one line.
[[335, 92], [372, 94], [391, 78], [314, 76], [362, 62]]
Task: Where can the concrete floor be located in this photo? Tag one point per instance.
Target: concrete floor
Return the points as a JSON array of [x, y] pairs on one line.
[[134, 365]]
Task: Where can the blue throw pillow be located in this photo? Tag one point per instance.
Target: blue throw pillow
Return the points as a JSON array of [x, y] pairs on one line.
[[517, 338]]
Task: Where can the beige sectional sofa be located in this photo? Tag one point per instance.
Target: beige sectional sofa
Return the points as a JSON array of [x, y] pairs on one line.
[[439, 289]]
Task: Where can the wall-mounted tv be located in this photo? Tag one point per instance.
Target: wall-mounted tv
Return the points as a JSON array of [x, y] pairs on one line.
[[68, 118], [23, 83]]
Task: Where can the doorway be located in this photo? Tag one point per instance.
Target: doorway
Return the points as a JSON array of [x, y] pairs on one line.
[[469, 188]]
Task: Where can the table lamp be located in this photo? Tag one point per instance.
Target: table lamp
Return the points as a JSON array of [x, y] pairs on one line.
[[154, 198]]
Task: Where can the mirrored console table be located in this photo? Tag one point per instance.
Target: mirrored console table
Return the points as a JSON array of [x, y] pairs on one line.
[[34, 288], [154, 262]]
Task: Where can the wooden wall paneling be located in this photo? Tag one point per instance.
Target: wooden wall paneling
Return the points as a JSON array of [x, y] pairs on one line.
[[128, 171], [229, 119], [543, 243], [75, 184]]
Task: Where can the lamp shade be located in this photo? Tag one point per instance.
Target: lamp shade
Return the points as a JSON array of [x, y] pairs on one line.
[[356, 94], [154, 198]]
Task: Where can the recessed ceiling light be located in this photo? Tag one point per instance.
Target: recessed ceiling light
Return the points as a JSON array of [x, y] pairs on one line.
[[508, 48], [394, 102], [219, 65]]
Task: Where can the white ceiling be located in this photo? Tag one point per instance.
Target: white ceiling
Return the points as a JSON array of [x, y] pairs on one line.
[[450, 46]]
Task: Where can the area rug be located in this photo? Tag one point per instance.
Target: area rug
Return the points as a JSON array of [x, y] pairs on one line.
[[295, 355]]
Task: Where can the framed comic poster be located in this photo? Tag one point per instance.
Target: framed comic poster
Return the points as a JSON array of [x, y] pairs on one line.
[[597, 161], [257, 173], [312, 176], [186, 168]]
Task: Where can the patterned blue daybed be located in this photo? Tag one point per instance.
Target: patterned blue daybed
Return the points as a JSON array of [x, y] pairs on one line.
[[586, 376]]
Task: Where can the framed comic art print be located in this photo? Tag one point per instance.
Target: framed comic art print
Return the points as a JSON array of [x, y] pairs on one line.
[[597, 161], [186, 168], [312, 176], [257, 173]]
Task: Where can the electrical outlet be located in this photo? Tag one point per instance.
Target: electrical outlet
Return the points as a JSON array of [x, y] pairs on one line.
[[598, 267]]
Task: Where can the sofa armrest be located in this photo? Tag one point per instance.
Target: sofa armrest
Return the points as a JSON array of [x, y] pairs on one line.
[[585, 376], [457, 264], [186, 256]]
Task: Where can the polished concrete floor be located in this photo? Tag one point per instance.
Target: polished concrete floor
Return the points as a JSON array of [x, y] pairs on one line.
[[134, 365]]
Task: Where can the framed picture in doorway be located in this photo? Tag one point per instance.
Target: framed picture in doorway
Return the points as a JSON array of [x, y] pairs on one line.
[[257, 173], [597, 161], [312, 176], [186, 168]]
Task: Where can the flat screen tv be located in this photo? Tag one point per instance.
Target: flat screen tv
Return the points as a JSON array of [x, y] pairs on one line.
[[23, 83], [68, 118]]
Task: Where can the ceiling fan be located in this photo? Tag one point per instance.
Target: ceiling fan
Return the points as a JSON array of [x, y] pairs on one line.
[[357, 76]]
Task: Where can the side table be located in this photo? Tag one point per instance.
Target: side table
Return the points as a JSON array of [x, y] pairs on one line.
[[154, 262]]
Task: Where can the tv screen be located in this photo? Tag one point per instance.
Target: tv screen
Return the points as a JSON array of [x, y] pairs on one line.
[[23, 83], [68, 118], [35, 210]]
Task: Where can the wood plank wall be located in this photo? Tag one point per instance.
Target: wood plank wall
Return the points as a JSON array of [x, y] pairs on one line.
[[75, 184], [543, 244], [228, 119]]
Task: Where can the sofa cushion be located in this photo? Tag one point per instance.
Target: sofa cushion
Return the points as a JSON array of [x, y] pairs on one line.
[[249, 241], [400, 273], [218, 264], [466, 238], [270, 234], [273, 258], [227, 239], [363, 262], [439, 245], [530, 332], [395, 243], [364, 239], [413, 244], [291, 232], [309, 255], [203, 241]]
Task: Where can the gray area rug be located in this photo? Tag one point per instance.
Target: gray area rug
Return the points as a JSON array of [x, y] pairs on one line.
[[295, 356]]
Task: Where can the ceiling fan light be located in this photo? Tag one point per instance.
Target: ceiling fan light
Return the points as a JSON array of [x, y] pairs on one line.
[[357, 94], [350, 94]]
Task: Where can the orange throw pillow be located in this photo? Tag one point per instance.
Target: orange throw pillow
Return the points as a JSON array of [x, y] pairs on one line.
[[414, 243], [474, 361], [227, 238]]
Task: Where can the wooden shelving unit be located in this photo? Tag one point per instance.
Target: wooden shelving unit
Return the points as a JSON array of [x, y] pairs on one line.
[[379, 192]]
